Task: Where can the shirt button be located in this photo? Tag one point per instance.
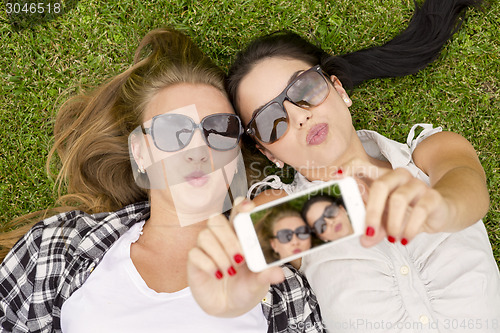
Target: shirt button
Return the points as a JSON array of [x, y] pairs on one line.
[[404, 270], [424, 319]]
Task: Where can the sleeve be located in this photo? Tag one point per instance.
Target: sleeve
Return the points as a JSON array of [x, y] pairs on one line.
[[427, 130], [294, 306], [17, 274]]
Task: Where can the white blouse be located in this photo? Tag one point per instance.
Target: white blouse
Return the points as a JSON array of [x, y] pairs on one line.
[[444, 282]]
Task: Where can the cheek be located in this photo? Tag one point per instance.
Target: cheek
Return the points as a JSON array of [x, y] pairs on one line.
[[274, 244]]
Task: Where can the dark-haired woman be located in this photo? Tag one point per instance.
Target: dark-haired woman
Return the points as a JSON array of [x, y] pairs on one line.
[[327, 217], [425, 261]]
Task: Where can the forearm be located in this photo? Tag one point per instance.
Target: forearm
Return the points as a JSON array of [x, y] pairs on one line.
[[464, 189], [456, 173]]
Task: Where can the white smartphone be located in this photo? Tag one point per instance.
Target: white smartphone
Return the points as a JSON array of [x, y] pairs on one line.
[[304, 222]]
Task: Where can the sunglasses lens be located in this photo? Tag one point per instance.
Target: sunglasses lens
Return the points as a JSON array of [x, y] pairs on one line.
[[320, 226], [284, 235], [222, 131], [331, 211], [172, 132], [271, 123], [310, 89], [303, 232]]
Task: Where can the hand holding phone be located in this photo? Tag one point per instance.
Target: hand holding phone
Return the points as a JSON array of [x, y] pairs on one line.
[[286, 229], [219, 279]]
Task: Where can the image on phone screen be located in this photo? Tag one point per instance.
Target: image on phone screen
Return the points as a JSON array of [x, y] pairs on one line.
[[302, 223]]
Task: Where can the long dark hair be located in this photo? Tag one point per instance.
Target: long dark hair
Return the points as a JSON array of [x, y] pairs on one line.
[[413, 49], [320, 198]]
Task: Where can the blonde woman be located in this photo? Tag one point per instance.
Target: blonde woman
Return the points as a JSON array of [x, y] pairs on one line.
[[282, 233], [146, 159]]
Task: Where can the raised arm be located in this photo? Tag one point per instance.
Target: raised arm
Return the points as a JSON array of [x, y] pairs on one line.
[[218, 277], [400, 206], [457, 175]]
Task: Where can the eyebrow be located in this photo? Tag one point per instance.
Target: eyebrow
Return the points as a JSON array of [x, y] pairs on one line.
[[292, 78]]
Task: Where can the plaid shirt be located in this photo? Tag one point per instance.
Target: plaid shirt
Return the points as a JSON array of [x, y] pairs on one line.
[[58, 254]]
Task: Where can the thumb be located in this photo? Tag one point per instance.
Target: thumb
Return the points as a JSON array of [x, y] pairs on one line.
[[240, 205]]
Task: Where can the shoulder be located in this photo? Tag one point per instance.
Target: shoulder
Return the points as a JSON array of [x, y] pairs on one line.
[[66, 232], [443, 148], [442, 141], [81, 223]]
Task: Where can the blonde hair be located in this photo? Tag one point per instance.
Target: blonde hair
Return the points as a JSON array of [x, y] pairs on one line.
[[91, 130], [265, 226]]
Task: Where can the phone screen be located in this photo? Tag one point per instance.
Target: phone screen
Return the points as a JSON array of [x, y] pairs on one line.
[[302, 223]]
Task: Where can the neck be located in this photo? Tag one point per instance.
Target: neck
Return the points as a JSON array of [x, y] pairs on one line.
[[165, 225], [354, 158], [160, 255]]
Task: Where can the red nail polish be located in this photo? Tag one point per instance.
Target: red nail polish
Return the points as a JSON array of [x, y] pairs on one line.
[[391, 239], [238, 258], [370, 231], [218, 275], [231, 271], [339, 171], [404, 241]]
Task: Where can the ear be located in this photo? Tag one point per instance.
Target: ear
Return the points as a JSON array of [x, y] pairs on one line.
[[273, 244], [269, 155], [136, 148], [340, 90]]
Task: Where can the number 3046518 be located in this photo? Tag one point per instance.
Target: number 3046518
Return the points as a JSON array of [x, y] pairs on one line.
[[32, 8]]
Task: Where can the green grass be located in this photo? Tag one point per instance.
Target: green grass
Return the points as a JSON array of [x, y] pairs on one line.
[[44, 58]]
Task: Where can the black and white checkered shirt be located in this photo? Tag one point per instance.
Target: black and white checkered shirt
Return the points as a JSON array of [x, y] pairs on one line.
[[58, 254]]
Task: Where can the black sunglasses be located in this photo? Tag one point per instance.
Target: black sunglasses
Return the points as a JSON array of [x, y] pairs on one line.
[[329, 212], [285, 235], [172, 132], [308, 89]]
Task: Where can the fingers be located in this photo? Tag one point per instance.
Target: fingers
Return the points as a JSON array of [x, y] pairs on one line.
[[364, 174], [202, 262], [219, 242], [363, 171], [427, 215], [401, 205], [241, 205], [380, 191], [218, 252]]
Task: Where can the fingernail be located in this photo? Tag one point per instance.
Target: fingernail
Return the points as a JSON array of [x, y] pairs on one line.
[[391, 239], [404, 241], [218, 275], [340, 171], [246, 203], [370, 231], [231, 271], [238, 258]]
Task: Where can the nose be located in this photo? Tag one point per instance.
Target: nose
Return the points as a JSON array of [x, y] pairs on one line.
[[197, 151], [298, 116], [295, 240]]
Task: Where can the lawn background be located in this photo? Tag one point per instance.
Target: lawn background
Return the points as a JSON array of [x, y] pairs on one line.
[[44, 58]]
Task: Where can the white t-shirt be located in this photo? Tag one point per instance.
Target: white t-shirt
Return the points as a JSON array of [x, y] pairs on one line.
[[444, 282], [115, 298]]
